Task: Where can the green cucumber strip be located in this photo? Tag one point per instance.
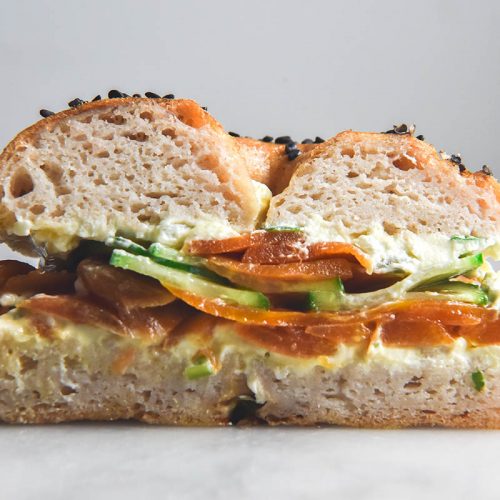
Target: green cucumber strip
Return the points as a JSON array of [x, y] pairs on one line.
[[327, 301], [479, 297], [419, 280], [464, 292], [201, 368], [288, 229], [125, 244], [478, 380], [188, 281], [162, 256], [159, 250], [326, 286], [457, 268], [172, 258], [465, 238]]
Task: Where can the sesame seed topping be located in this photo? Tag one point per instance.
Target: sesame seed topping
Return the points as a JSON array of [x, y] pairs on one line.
[[401, 129], [290, 146], [96, 98], [136, 95], [267, 138], [420, 137], [283, 139], [486, 170], [307, 141], [115, 94], [204, 108], [461, 168], [169, 96], [233, 134], [152, 95], [456, 158], [318, 140], [292, 154], [45, 113], [75, 103]]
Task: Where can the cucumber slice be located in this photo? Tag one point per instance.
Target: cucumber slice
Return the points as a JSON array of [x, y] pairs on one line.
[[465, 238], [125, 244], [462, 266], [172, 258], [327, 301], [159, 250], [423, 280], [189, 282], [457, 290], [202, 367], [288, 229], [165, 256]]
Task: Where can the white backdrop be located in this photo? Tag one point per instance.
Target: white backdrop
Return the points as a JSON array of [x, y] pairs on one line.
[[268, 67]]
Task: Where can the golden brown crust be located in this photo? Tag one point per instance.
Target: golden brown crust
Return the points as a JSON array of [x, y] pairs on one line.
[[275, 168], [478, 418]]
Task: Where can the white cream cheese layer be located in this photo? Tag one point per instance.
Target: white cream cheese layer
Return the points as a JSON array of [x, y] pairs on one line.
[[403, 250], [172, 230]]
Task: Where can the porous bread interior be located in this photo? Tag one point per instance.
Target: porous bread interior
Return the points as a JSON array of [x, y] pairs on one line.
[[74, 378], [358, 180], [124, 167]]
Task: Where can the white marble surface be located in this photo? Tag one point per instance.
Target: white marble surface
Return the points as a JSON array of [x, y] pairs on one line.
[[129, 461]]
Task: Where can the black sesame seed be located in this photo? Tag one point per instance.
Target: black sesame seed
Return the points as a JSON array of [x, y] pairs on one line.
[[293, 154], [267, 138], [486, 170], [420, 137], [401, 129], [115, 94], [45, 113], [461, 167], [307, 141], [290, 146], [96, 98], [283, 139], [204, 108], [233, 134], [136, 95], [318, 140], [152, 95], [75, 103], [456, 159], [169, 96]]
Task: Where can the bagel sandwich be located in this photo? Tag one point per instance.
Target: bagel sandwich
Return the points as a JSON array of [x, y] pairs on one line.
[[188, 276]]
